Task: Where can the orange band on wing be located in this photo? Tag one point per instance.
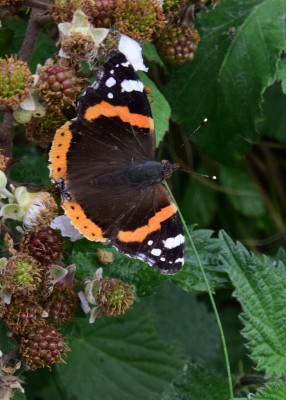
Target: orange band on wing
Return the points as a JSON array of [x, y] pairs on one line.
[[58, 152], [108, 110], [153, 225], [80, 221]]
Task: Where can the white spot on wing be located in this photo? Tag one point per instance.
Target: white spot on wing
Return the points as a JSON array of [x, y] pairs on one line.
[[125, 64], [162, 259], [179, 260], [130, 85], [110, 95], [112, 71], [156, 252], [150, 242], [176, 241], [110, 82]]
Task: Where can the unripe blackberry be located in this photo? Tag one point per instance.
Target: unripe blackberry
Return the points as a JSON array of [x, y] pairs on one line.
[[113, 297], [177, 44], [61, 304], [15, 81], [100, 12], [22, 316], [170, 4], [42, 347], [4, 162], [59, 85], [63, 10], [21, 275], [42, 130], [138, 18], [45, 245]]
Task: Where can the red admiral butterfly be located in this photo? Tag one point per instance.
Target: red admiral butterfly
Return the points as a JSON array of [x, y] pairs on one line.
[[104, 162]]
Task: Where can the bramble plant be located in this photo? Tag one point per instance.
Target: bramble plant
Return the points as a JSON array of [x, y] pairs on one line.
[[78, 319]]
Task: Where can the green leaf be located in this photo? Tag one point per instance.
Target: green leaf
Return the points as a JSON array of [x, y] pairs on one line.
[[274, 107], [179, 316], [209, 248], [115, 358], [260, 287], [199, 203], [160, 108], [242, 192], [31, 167], [197, 383], [281, 74], [6, 37], [18, 395], [150, 52], [241, 43], [272, 391]]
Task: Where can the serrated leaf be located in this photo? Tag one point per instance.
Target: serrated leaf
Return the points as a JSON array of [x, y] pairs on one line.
[[197, 383], [242, 192], [241, 43], [179, 316], [260, 287], [160, 108], [272, 391], [115, 358]]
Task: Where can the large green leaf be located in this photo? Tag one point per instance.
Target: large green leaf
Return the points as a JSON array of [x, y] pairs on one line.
[[115, 358], [198, 383], [180, 317], [260, 287], [241, 44]]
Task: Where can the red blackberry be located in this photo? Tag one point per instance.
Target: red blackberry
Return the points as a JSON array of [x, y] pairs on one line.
[[42, 347], [61, 304], [45, 245]]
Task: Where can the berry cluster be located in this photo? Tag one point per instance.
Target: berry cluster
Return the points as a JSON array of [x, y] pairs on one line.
[[32, 306]]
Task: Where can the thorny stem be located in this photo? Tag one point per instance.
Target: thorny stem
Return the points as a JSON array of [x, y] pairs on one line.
[[40, 5], [31, 36]]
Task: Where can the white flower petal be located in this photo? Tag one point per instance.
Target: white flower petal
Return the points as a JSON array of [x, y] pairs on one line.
[[133, 52], [63, 223], [29, 103]]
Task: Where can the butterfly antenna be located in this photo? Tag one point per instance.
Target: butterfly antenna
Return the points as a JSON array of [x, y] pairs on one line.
[[189, 171], [203, 122]]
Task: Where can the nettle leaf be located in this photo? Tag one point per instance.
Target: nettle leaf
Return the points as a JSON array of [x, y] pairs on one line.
[[241, 44], [260, 287], [197, 383], [208, 248], [242, 192], [179, 316], [272, 391], [115, 358], [160, 108]]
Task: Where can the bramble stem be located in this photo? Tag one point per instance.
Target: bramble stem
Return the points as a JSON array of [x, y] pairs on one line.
[[228, 371]]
